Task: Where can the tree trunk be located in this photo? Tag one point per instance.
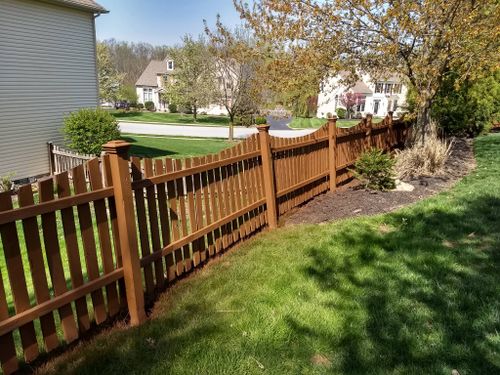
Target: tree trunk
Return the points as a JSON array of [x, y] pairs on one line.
[[231, 127], [423, 127], [195, 112]]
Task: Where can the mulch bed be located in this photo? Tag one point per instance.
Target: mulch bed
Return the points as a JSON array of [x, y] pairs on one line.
[[354, 202]]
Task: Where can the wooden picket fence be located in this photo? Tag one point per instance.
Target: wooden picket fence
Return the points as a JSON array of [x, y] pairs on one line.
[[154, 221], [62, 160]]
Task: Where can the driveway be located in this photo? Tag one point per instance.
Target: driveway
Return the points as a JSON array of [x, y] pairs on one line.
[[206, 131], [279, 123]]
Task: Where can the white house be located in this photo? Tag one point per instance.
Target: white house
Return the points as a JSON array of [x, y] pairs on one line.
[[47, 70], [150, 86], [375, 96]]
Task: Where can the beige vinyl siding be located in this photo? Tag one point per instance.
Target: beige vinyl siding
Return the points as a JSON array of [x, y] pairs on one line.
[[47, 69]]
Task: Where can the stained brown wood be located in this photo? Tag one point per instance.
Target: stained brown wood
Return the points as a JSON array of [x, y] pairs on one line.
[[53, 254], [154, 225], [182, 193], [143, 227], [8, 357], [164, 220], [15, 271], [118, 156], [174, 219], [221, 238], [108, 181], [207, 206], [37, 268], [89, 243], [268, 176], [72, 251], [103, 230], [200, 243]]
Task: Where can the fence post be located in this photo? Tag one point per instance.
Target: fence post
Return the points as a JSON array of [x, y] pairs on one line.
[[332, 151], [391, 130], [268, 171], [127, 231], [50, 149]]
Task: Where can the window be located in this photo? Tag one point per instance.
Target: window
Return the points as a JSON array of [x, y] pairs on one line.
[[388, 88], [360, 107], [376, 105], [147, 95], [170, 65], [397, 88], [336, 101], [379, 86]]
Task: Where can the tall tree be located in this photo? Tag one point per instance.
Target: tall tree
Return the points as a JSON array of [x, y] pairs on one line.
[[193, 82], [238, 64], [109, 78], [421, 40]]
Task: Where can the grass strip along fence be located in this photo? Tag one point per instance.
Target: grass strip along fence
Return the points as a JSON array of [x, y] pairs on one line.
[[132, 227]]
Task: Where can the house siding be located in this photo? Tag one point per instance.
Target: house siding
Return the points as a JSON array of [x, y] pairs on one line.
[[47, 70]]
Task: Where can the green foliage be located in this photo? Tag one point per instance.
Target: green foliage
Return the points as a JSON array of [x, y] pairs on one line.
[[260, 120], [128, 93], [6, 182], [341, 113], [375, 170], [150, 106], [109, 79], [140, 106], [172, 108], [470, 108], [243, 120], [88, 129]]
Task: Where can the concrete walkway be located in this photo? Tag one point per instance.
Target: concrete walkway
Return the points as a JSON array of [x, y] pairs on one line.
[[202, 131]]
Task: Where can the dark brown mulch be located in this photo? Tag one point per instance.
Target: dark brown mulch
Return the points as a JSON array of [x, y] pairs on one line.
[[353, 202]]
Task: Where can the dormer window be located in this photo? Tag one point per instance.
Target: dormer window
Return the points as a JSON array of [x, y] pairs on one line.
[[170, 65]]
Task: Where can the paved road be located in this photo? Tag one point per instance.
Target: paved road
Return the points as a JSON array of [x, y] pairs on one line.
[[279, 123], [203, 131]]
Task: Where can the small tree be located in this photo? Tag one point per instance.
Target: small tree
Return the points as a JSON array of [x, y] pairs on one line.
[[193, 82], [110, 80], [350, 100], [237, 63], [128, 93], [86, 130]]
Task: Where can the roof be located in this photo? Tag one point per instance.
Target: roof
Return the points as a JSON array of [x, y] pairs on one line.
[[88, 5], [361, 88], [150, 74]]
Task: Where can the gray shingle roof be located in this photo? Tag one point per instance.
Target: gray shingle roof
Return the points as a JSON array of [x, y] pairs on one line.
[[361, 88], [150, 74], [89, 5]]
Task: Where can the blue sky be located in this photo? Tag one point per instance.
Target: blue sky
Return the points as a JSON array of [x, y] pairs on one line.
[[160, 21]]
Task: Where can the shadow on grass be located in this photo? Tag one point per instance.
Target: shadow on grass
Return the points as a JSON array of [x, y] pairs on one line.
[[422, 297], [146, 151]]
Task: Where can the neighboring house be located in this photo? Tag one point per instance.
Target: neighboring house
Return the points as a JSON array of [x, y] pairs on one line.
[[150, 86], [376, 96], [47, 70]]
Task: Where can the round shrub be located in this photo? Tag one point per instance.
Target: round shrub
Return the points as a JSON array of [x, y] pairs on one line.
[[375, 170], [140, 106], [172, 108], [150, 106], [341, 113], [260, 120], [86, 130]]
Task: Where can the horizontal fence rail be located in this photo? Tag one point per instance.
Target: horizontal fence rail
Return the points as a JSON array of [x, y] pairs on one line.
[[77, 251]]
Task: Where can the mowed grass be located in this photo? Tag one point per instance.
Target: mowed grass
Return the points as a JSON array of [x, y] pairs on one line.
[[173, 147], [171, 118], [416, 291], [314, 122]]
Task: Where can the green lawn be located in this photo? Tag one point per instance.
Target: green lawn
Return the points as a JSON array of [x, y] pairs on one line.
[[416, 291], [172, 118], [313, 122], [173, 147]]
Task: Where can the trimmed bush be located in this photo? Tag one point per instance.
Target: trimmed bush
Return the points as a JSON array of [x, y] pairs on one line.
[[150, 106], [86, 130], [6, 182], [140, 106], [172, 108], [341, 113], [375, 170], [260, 120]]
